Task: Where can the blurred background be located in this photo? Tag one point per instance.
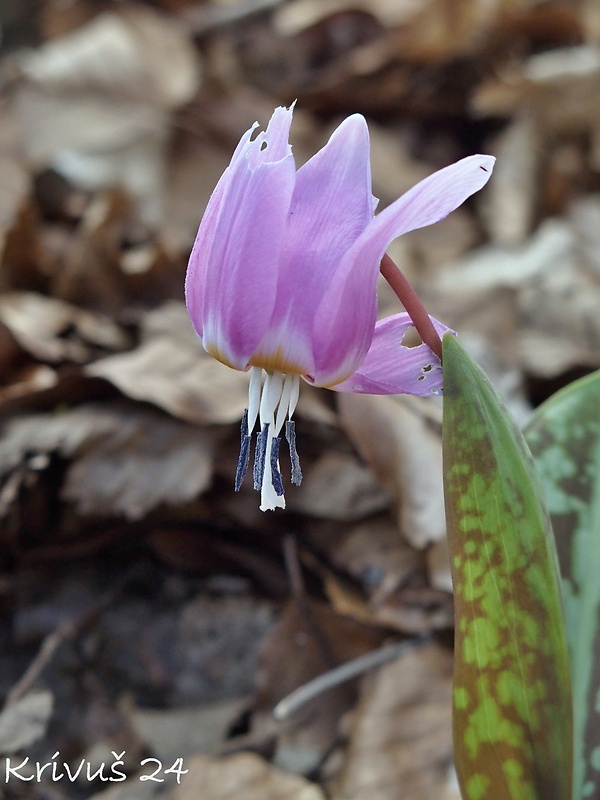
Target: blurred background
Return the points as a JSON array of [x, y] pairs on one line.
[[148, 611]]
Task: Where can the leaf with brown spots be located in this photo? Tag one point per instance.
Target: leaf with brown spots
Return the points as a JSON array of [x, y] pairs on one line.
[[512, 701], [564, 436]]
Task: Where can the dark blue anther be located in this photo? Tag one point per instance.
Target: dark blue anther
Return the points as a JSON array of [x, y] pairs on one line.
[[244, 459], [290, 435], [259, 456], [276, 478]]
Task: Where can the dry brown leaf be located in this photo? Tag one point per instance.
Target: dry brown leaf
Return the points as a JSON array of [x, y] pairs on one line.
[[441, 30], [438, 566], [98, 271], [104, 93], [337, 487], [492, 267], [171, 464], [392, 579], [547, 354], [26, 383], [25, 721], [513, 197], [412, 609], [536, 305], [376, 556], [561, 87], [241, 776], [314, 406], [558, 87], [590, 20], [584, 215], [171, 369], [54, 331], [401, 732], [194, 168], [182, 732], [23, 260], [561, 326], [488, 317], [10, 352], [132, 50], [296, 16], [528, 303], [18, 246], [125, 461], [436, 246], [403, 448], [15, 178]]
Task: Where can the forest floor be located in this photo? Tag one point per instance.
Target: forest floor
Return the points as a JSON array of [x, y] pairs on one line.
[[152, 618]]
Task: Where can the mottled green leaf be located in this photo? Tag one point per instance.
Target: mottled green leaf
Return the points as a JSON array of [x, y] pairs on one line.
[[512, 704], [564, 436]]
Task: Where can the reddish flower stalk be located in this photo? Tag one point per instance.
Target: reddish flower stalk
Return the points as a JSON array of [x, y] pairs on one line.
[[412, 304]]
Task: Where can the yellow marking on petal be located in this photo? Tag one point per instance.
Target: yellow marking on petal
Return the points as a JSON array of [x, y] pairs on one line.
[[276, 361], [214, 351]]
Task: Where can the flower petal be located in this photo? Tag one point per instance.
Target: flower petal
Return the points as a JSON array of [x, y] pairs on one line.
[[340, 321], [332, 203], [392, 368], [231, 283], [273, 144], [433, 198], [331, 206]]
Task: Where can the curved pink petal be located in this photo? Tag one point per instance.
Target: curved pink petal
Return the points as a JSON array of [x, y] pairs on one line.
[[347, 305], [195, 277], [391, 368], [332, 202], [231, 283], [433, 198], [331, 206]]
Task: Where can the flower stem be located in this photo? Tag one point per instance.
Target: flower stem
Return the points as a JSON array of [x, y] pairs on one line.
[[413, 305]]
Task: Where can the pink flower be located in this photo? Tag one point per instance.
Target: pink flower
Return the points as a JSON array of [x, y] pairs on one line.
[[282, 279]]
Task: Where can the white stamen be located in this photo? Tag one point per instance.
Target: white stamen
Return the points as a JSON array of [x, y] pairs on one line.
[[271, 395], [294, 394], [284, 404], [254, 397], [272, 404]]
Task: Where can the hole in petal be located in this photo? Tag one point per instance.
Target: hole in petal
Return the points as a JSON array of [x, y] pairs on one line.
[[427, 368], [411, 338], [263, 145]]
